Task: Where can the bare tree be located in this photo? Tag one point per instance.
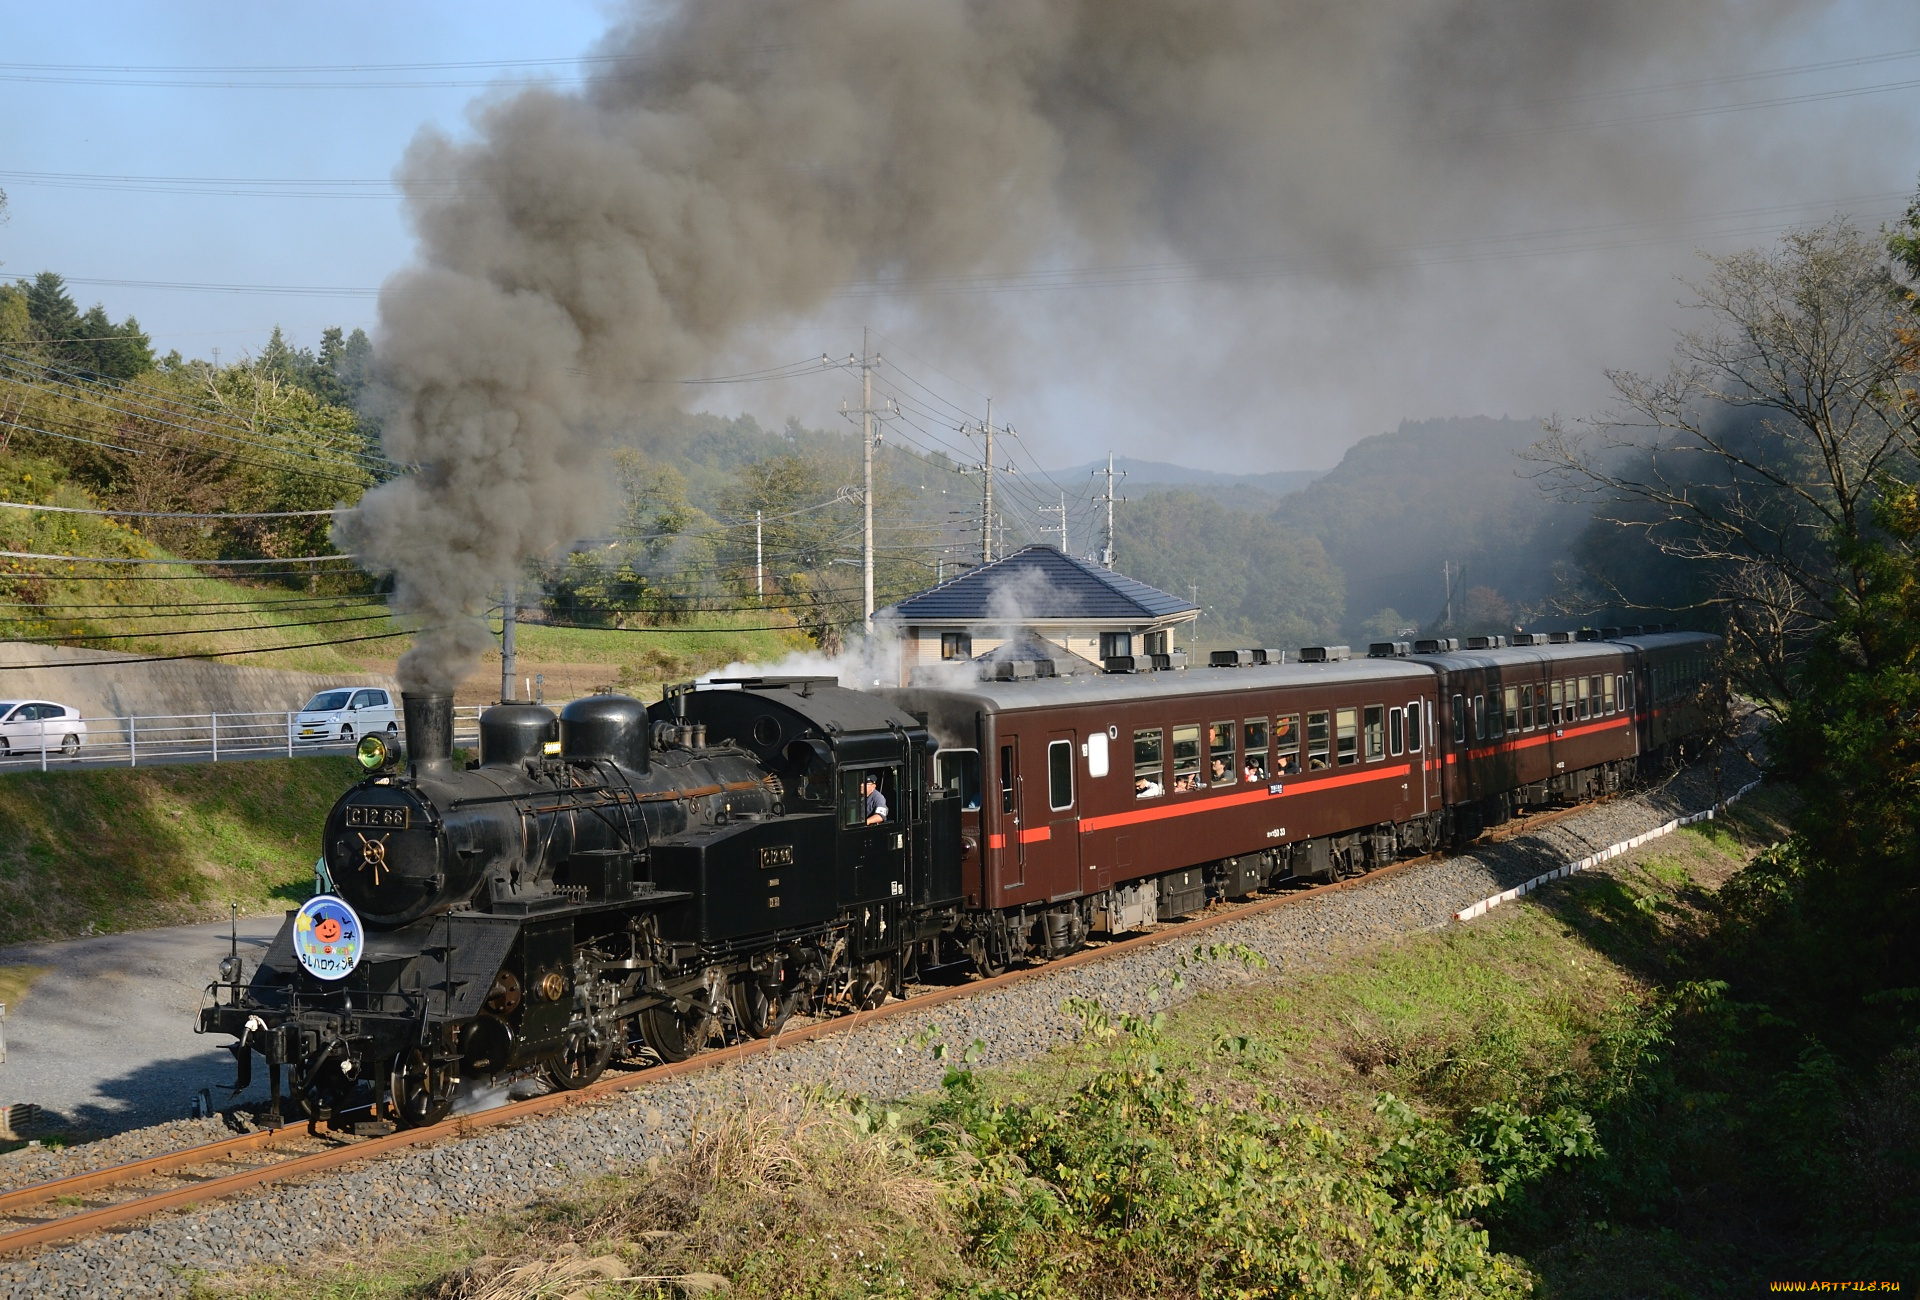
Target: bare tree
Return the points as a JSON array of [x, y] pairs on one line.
[[1759, 454]]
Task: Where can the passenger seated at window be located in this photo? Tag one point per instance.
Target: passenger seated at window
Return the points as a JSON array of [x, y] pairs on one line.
[[1222, 775], [1143, 788], [1254, 771]]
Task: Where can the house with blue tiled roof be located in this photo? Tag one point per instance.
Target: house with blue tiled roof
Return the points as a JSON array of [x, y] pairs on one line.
[[1038, 591]]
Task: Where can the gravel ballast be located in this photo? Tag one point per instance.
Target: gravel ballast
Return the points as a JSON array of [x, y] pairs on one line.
[[500, 1168]]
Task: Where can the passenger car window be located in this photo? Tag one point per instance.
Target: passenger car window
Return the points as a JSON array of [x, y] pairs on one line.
[[1097, 754], [1186, 759], [1253, 748], [1286, 744], [1526, 708], [1459, 719], [1513, 708], [1586, 700], [1396, 731], [1006, 778], [1318, 738], [1606, 684], [1374, 732], [1346, 735], [1221, 769], [1413, 727], [1479, 717], [1558, 689], [958, 773], [1147, 764], [1059, 774]]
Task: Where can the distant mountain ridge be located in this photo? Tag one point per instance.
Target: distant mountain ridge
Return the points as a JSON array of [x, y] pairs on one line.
[[1154, 474]]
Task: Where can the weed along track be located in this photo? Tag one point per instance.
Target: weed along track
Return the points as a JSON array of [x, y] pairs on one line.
[[102, 1200]]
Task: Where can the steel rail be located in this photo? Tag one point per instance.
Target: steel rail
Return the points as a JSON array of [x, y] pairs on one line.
[[102, 1218]]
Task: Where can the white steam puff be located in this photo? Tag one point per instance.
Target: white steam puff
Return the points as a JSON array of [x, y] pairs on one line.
[[739, 160]]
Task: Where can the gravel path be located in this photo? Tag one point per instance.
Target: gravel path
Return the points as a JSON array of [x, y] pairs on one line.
[[104, 1041], [501, 1168]]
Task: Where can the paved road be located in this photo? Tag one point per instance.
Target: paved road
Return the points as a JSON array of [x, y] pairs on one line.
[[105, 1039]]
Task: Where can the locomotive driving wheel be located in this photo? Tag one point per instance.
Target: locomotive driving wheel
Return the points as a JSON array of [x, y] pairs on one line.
[[756, 1010], [675, 1035], [420, 1091], [583, 1059]]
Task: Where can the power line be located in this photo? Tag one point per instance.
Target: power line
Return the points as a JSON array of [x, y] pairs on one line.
[[166, 514], [209, 654], [119, 559]]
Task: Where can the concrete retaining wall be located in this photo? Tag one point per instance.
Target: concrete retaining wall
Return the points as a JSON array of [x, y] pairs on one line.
[[76, 677]]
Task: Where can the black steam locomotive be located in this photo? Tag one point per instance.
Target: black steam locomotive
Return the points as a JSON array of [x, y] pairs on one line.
[[627, 877], [678, 870]]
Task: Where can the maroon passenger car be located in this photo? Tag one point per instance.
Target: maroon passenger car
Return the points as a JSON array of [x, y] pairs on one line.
[[1107, 802]]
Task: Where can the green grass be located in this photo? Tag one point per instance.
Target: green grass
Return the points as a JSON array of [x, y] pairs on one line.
[[120, 849]]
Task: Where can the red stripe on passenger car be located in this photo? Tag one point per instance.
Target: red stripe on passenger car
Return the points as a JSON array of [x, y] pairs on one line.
[[996, 841], [1038, 833], [1541, 738], [1260, 795]]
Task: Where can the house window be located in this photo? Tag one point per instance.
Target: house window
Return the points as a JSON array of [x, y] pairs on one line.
[[956, 645], [1114, 645], [1155, 643]]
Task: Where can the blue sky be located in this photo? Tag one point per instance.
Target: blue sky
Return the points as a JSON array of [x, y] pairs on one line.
[[1274, 374]]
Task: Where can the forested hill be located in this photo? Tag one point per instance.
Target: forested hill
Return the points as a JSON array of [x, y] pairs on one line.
[[1400, 504], [1356, 553]]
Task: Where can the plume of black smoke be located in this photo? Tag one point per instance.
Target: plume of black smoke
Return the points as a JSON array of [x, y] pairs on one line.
[[740, 160]]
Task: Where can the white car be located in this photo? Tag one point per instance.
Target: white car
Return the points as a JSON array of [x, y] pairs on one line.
[[30, 726], [344, 714]]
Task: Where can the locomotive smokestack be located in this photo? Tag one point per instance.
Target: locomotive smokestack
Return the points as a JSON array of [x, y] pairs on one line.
[[429, 730]]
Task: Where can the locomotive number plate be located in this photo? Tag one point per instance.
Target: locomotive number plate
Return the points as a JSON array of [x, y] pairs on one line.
[[776, 855], [381, 816]]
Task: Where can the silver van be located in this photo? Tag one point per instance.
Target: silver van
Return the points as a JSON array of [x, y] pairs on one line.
[[344, 714]]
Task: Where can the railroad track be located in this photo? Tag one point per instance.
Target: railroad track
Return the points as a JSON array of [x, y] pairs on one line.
[[84, 1204]]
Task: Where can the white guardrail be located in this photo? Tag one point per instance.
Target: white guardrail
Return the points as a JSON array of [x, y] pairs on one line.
[[184, 738]]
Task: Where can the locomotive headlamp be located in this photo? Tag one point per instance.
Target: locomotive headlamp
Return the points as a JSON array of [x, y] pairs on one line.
[[229, 970], [372, 753]]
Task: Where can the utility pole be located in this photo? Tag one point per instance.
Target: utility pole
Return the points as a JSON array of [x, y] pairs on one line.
[[1446, 575], [987, 522], [1106, 556], [866, 493], [759, 564], [507, 619], [1060, 510], [1193, 643], [986, 506]]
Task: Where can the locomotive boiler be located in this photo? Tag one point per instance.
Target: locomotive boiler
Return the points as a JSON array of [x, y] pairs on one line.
[[613, 879]]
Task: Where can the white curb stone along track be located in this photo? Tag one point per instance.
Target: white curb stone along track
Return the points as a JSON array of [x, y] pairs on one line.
[[1593, 860], [342, 1215]]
